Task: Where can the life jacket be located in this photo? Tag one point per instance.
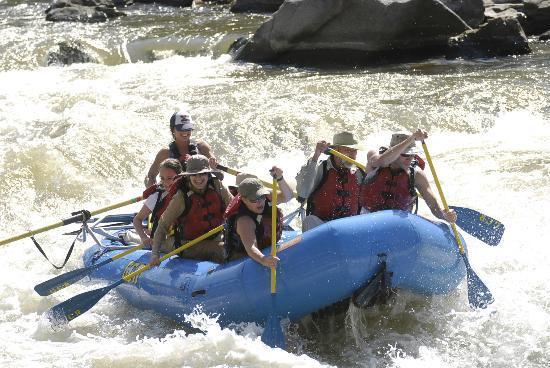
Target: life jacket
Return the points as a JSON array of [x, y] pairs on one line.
[[336, 196], [160, 205], [237, 209], [203, 211], [174, 152]]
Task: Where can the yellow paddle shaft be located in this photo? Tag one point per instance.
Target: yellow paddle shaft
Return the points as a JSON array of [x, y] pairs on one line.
[[347, 158], [64, 222], [274, 234], [441, 195], [189, 244]]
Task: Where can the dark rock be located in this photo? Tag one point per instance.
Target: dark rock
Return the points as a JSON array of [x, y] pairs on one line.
[[537, 14], [174, 3], [67, 53], [85, 11], [256, 6], [471, 11], [356, 32], [545, 36], [497, 37]]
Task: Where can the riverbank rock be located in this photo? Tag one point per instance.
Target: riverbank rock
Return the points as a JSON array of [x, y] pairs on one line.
[[497, 37], [471, 11], [533, 15], [356, 32], [67, 53], [85, 11], [256, 6]]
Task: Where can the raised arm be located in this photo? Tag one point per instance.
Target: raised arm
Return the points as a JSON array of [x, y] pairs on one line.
[[375, 159]]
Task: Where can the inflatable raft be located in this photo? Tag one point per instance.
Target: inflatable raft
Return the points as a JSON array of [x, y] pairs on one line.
[[320, 267]]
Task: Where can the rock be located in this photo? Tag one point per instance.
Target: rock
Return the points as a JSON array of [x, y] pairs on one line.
[[545, 36], [67, 53], [85, 11], [256, 6], [537, 14], [497, 37], [356, 32], [471, 11], [174, 3]]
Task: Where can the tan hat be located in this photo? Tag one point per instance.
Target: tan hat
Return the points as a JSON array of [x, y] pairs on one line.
[[397, 138], [241, 176], [252, 189], [345, 139], [199, 164]]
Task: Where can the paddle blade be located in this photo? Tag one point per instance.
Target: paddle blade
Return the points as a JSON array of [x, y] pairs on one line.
[[273, 335], [78, 304], [59, 282], [479, 295], [481, 226]]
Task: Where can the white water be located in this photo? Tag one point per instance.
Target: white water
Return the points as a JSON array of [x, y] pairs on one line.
[[83, 136]]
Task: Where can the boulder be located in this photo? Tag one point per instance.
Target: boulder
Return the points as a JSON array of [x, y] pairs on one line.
[[356, 32], [471, 11], [537, 13], [256, 6], [67, 53], [545, 36], [85, 11], [174, 3], [497, 37]]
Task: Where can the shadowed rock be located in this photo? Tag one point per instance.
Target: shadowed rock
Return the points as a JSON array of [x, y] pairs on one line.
[[353, 32], [256, 6], [68, 53], [497, 37]]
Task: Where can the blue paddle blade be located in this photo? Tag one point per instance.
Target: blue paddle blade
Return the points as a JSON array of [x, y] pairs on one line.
[[479, 295], [481, 226], [273, 335]]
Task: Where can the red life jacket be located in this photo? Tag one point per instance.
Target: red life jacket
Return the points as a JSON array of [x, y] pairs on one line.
[[386, 190], [203, 212], [336, 196], [160, 205], [237, 209]]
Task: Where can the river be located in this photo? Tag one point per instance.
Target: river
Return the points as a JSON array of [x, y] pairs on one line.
[[83, 136]]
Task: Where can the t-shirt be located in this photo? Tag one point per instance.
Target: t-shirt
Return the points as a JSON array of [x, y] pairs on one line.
[[151, 201]]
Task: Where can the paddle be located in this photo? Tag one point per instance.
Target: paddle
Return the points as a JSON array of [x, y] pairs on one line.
[[70, 220], [81, 303], [479, 295], [481, 226], [273, 332], [59, 282]]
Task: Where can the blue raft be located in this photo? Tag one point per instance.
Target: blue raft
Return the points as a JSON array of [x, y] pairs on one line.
[[317, 268]]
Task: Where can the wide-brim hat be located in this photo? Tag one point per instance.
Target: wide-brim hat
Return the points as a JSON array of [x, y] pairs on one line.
[[397, 138], [252, 189], [198, 164], [346, 139]]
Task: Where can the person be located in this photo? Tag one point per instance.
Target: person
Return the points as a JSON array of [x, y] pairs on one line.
[[394, 176], [181, 148], [155, 197], [197, 202], [330, 186], [248, 218]]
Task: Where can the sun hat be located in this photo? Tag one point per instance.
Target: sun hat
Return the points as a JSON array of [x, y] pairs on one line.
[[345, 139], [397, 138], [252, 189], [199, 164], [181, 121]]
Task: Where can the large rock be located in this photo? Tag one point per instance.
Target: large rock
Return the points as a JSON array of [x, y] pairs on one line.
[[358, 32], [85, 11], [67, 53], [497, 37], [537, 14], [256, 6], [471, 11]]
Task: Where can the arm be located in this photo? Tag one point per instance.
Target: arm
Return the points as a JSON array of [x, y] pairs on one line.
[[310, 174], [204, 149], [246, 229], [375, 159], [170, 215], [423, 186], [151, 177], [285, 194], [137, 221]]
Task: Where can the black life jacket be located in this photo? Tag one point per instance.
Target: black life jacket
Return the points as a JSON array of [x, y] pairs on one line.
[[175, 153], [159, 207]]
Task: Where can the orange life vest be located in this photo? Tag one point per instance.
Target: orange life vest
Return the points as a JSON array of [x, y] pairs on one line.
[[389, 190], [336, 196], [237, 209]]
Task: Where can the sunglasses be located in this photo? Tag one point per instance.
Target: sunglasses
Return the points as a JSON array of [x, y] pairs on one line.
[[259, 199], [406, 155]]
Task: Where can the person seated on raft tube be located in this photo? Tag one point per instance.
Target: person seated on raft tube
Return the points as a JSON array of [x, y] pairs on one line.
[[198, 200], [393, 176], [331, 186], [248, 218], [155, 197], [181, 148]]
